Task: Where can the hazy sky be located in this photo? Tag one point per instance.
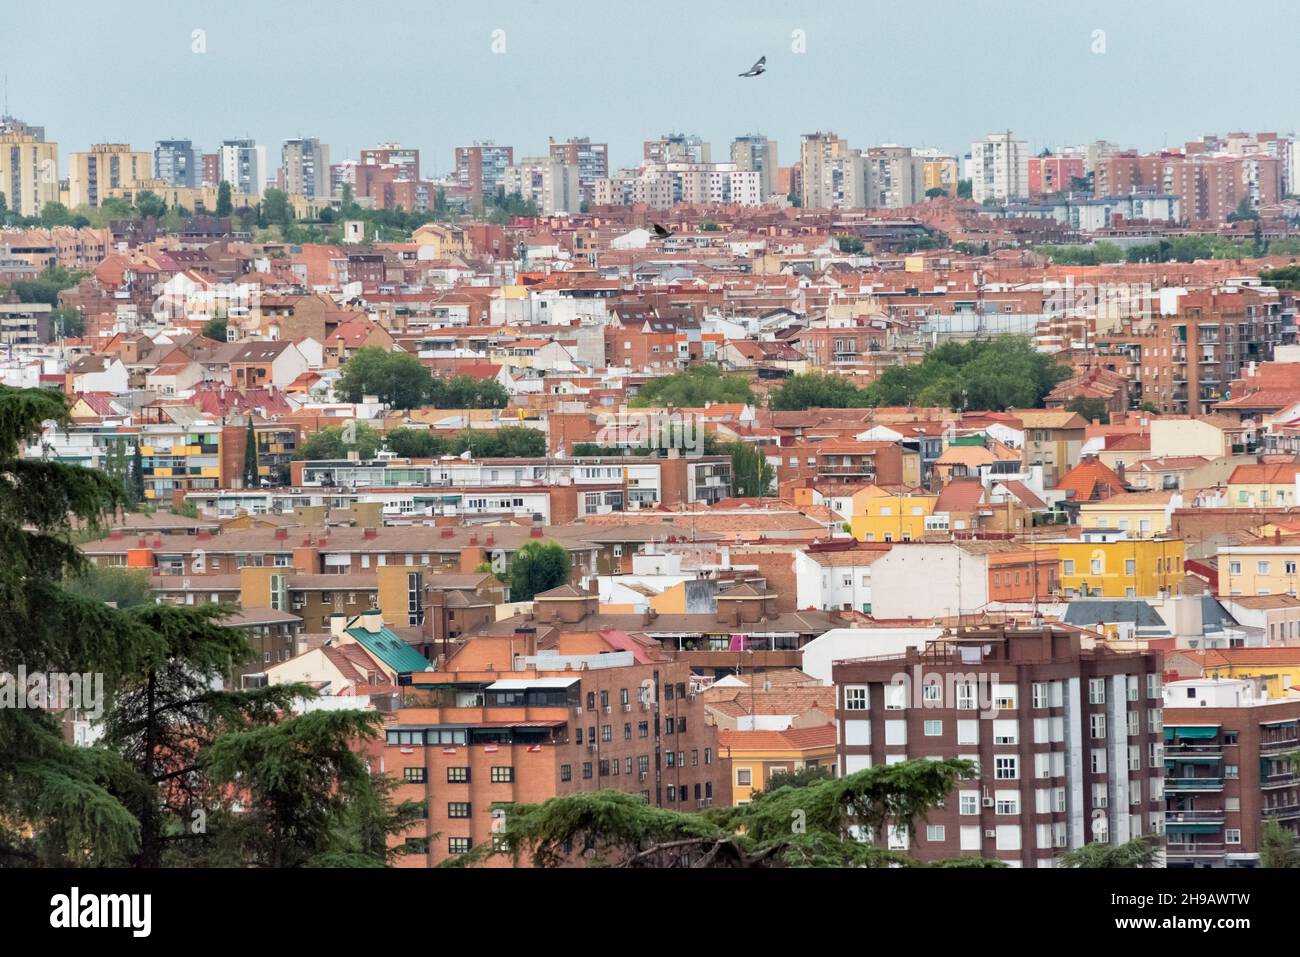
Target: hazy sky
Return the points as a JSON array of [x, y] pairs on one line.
[[423, 72]]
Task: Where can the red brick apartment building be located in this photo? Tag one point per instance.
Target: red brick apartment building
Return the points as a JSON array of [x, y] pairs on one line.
[[1226, 770], [1209, 187], [507, 721], [1067, 739], [1186, 362]]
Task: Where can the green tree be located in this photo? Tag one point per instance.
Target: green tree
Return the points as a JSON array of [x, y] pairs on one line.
[[275, 209], [415, 443], [814, 821], [464, 392], [1090, 409], [1277, 845], [136, 494], [934, 192], [963, 189], [1141, 852], [224, 204], [250, 457], [337, 441], [752, 476], [57, 803], [311, 799], [119, 587], [850, 244], [150, 204], [537, 567], [692, 388], [399, 379], [215, 329], [816, 390]]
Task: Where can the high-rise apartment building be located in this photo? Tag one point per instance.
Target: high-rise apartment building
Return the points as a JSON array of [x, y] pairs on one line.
[[481, 168], [1067, 739], [833, 176], [29, 167], [1227, 770], [304, 168], [896, 176], [546, 181], [757, 153], [406, 159], [178, 163], [999, 168], [108, 166], [242, 164], [591, 160], [676, 148]]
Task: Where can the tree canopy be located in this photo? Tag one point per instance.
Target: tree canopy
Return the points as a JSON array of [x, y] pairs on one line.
[[692, 388], [185, 772], [807, 821], [537, 567]]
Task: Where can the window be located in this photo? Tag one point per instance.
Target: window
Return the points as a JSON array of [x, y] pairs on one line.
[[458, 809], [1006, 732], [413, 775], [1098, 760], [1039, 690], [895, 732], [1007, 802], [935, 833], [1097, 725], [744, 777], [895, 697], [1232, 835], [459, 845], [566, 772], [1006, 768], [586, 770], [966, 697], [1096, 691], [503, 775], [1004, 697], [458, 775], [968, 802], [933, 729], [968, 732]]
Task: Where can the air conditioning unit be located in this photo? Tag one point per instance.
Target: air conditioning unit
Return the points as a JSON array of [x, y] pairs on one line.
[[591, 746], [577, 709], [607, 709], [990, 833], [987, 802], [641, 776], [627, 708]]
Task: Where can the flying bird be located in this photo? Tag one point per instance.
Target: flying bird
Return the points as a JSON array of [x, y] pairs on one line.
[[757, 69], [661, 233]]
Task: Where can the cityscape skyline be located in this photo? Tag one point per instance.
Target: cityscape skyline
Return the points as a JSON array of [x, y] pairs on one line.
[[941, 109]]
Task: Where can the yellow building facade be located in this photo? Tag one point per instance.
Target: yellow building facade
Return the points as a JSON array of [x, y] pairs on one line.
[[1120, 567], [881, 516]]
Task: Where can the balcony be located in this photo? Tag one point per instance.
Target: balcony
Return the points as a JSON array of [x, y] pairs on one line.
[[1191, 752], [1193, 817], [1193, 784]]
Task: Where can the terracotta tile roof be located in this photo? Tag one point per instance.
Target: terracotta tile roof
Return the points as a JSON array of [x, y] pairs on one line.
[[792, 739], [1091, 481]]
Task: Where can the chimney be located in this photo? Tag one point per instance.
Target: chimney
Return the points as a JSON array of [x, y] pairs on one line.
[[448, 533], [370, 533], [373, 621], [527, 635], [281, 534], [534, 533], [338, 624]]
